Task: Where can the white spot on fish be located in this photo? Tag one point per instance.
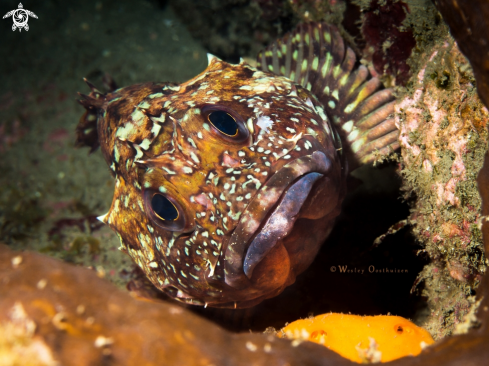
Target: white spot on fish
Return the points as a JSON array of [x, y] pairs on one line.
[[347, 127], [264, 122]]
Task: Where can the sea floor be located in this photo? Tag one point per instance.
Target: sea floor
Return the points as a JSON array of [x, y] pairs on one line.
[[50, 191]]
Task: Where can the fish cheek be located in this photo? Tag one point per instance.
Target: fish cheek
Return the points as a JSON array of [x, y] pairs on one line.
[[273, 271]]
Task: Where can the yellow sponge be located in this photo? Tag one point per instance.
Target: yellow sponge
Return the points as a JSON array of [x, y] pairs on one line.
[[362, 339]]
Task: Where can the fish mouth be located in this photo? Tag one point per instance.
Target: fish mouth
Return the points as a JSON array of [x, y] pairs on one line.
[[280, 222], [270, 216]]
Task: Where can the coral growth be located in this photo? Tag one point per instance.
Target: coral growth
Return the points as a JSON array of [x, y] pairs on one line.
[[443, 136], [19, 345], [469, 22]]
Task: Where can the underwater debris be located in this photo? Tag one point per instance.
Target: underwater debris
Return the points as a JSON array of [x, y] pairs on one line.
[[443, 136]]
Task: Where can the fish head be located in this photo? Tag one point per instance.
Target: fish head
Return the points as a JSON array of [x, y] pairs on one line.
[[226, 185]]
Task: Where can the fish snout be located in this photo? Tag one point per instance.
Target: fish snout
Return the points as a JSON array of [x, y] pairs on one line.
[[259, 259]]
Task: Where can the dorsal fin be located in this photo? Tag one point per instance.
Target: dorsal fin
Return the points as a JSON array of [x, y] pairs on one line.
[[314, 55], [86, 130]]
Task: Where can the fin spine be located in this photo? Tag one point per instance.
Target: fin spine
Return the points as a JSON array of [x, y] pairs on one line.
[[316, 57]]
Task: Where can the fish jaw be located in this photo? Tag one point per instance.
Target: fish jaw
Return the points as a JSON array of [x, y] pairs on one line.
[[281, 198]]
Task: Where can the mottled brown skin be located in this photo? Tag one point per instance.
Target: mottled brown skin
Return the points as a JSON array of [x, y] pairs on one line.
[[157, 135], [250, 208]]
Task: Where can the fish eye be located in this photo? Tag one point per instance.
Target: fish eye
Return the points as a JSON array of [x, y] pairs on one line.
[[164, 208], [224, 122], [227, 123], [166, 211]]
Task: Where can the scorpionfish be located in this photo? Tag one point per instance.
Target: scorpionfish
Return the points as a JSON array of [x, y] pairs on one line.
[[227, 185]]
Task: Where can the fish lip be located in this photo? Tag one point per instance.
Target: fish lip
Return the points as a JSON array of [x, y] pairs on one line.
[[248, 226], [279, 222]]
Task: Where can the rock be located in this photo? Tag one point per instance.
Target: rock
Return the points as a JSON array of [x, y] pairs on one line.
[[469, 24], [54, 313], [69, 314], [443, 138]]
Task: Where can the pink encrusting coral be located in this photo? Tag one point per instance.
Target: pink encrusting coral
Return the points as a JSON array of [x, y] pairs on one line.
[[443, 139]]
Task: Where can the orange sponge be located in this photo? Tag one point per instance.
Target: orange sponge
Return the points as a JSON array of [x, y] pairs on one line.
[[362, 338]]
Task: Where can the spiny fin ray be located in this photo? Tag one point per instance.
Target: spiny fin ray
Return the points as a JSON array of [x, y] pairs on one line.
[[315, 56], [373, 119]]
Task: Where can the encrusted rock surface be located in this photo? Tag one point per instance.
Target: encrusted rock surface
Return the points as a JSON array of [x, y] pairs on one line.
[[469, 22], [66, 314], [443, 136]]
